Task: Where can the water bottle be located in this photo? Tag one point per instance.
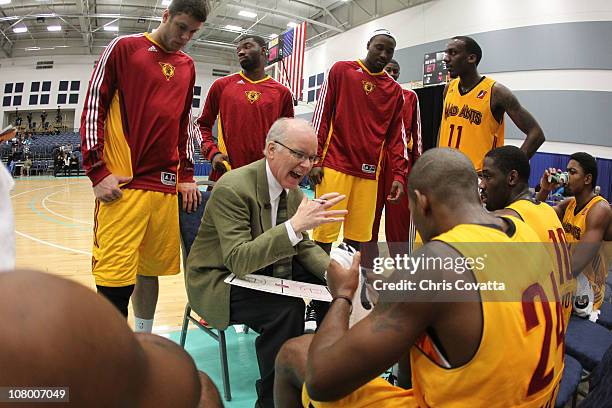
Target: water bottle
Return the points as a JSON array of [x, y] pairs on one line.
[[559, 178]]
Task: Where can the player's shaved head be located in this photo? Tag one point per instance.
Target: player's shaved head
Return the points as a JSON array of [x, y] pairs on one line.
[[58, 333], [443, 192], [171, 377], [445, 175]]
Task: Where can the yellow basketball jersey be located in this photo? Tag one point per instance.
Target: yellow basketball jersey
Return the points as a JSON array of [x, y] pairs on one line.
[[468, 123], [544, 221], [520, 358], [574, 225]]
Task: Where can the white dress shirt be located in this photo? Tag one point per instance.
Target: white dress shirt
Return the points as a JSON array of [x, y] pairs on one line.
[[275, 190]]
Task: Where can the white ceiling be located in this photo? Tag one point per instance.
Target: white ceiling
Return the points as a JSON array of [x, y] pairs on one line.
[[83, 23]]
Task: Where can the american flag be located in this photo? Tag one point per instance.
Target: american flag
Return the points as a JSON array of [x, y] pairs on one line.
[[292, 65]]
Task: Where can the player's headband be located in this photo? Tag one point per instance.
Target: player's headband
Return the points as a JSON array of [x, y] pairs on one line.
[[382, 31]]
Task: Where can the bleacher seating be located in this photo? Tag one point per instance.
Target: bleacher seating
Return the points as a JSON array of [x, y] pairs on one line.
[[41, 151]]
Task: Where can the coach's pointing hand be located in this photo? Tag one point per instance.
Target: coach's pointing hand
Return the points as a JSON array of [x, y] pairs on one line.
[[312, 213]]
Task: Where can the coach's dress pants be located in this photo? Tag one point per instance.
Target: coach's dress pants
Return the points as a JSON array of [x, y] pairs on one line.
[[277, 319]]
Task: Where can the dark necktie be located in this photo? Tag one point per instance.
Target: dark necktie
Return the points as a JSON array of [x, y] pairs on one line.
[[282, 267]]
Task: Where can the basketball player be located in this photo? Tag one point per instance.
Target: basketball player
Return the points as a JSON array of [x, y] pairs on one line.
[[398, 225], [89, 349], [358, 116], [137, 140], [245, 105], [464, 352], [474, 107], [585, 218], [505, 190]]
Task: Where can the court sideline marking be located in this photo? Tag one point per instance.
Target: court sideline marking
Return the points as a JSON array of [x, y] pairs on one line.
[[40, 241]]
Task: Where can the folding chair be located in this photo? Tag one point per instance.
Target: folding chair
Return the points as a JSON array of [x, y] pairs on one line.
[[600, 390], [587, 342], [605, 317], [189, 225], [572, 375]]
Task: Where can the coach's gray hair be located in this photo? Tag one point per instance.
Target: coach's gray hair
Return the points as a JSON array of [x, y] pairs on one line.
[[281, 129]]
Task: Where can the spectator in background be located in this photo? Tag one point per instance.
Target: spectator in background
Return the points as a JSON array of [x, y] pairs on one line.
[[58, 161], [11, 163], [66, 163], [74, 164], [27, 165]]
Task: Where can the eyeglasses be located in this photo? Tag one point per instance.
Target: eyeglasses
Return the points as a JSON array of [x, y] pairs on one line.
[[301, 156]]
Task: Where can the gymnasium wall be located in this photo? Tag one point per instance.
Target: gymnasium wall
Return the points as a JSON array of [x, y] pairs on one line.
[[555, 54], [71, 68]]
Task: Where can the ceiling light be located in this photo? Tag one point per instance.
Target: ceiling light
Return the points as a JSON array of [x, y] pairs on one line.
[[62, 46], [248, 14], [32, 48], [292, 24], [165, 2], [111, 28], [18, 30], [3, 2], [54, 28], [233, 27], [273, 35]]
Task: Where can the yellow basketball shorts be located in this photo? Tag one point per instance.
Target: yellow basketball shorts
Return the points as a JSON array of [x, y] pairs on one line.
[[378, 393], [360, 202], [136, 234]]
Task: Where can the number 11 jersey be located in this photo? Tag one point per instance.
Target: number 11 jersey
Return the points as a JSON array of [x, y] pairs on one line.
[[468, 123]]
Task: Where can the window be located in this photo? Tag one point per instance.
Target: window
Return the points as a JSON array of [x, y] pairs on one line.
[[39, 92], [197, 94], [320, 78], [71, 96], [311, 95], [6, 101], [311, 81], [19, 87], [14, 89], [8, 88], [17, 100], [314, 86]]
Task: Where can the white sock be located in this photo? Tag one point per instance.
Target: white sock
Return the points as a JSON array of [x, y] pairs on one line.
[[143, 325]]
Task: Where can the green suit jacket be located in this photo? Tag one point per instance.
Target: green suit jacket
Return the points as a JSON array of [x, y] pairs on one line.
[[237, 236]]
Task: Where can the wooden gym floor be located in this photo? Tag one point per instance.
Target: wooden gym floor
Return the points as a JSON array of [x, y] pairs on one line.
[[54, 225]]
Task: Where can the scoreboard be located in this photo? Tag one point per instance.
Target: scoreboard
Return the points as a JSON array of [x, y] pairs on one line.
[[434, 69]]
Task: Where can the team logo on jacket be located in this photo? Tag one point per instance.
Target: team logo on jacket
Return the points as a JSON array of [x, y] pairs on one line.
[[167, 70], [481, 94], [252, 96], [368, 87], [168, 179], [368, 168]]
